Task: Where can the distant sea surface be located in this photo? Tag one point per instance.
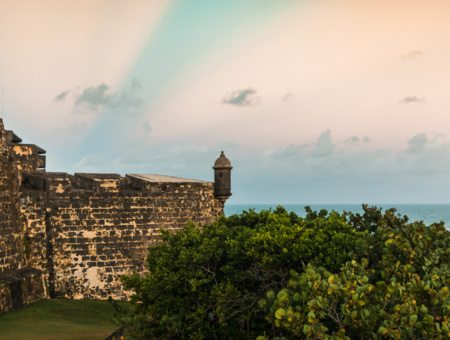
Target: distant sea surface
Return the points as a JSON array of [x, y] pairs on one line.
[[429, 213]]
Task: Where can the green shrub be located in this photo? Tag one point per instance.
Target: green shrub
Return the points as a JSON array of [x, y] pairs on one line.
[[396, 286], [205, 283]]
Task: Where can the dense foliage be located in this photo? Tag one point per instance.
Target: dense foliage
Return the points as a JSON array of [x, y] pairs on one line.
[[275, 275], [396, 286], [205, 283]]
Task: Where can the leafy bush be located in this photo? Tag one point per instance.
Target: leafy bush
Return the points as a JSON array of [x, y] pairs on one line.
[[395, 287], [205, 283]]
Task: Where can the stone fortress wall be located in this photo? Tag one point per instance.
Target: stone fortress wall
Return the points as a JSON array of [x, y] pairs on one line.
[[83, 231], [10, 228]]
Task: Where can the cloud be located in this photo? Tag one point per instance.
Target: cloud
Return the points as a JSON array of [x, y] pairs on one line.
[[60, 97], [318, 171], [352, 140], [412, 55], [95, 98], [323, 161], [136, 84], [427, 156], [438, 139], [288, 96], [423, 155], [417, 144], [243, 97], [355, 140], [412, 99], [324, 145]]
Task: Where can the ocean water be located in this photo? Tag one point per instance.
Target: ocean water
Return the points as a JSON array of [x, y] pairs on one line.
[[428, 213]]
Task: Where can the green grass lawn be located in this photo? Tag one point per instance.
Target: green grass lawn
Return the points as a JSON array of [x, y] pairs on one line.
[[59, 319]]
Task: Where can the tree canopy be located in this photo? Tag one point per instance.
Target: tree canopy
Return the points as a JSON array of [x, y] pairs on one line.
[[274, 275]]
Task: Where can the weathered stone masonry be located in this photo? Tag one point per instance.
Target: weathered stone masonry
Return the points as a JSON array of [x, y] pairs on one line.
[[10, 228], [19, 284], [86, 230]]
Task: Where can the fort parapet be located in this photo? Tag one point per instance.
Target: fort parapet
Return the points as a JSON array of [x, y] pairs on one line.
[[83, 231]]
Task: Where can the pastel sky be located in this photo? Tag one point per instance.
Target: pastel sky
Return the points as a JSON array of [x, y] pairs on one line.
[[313, 101]]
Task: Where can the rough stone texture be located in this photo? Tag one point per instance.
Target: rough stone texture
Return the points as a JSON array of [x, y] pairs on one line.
[[95, 228], [85, 230], [21, 287], [11, 248]]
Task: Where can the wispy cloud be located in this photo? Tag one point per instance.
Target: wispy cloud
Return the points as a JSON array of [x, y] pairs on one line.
[[352, 140], [288, 96], [355, 140], [243, 97], [412, 99], [412, 55], [94, 98], [417, 144], [60, 97]]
